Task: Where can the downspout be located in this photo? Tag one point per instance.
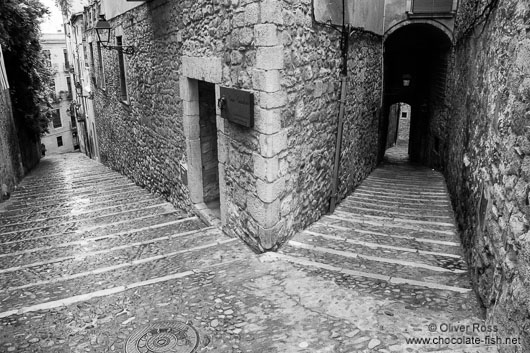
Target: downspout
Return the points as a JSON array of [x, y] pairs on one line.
[[345, 36]]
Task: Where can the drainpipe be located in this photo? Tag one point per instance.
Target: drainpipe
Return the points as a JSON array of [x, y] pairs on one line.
[[345, 36]]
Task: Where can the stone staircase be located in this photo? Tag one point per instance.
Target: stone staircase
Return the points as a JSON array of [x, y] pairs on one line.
[[397, 226]]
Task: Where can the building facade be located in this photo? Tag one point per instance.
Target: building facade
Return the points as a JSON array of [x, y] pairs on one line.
[[158, 112], [62, 136]]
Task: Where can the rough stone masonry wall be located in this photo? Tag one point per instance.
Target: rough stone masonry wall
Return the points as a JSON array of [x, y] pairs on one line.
[[488, 165], [11, 170], [311, 78], [144, 138]]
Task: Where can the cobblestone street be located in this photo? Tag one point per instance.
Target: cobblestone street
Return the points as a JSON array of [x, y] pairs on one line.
[[87, 258]]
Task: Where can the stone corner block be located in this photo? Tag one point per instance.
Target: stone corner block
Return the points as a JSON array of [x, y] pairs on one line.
[[266, 80], [268, 192], [265, 214], [273, 144], [266, 35], [271, 12], [268, 121], [269, 238], [266, 168], [269, 100], [269, 58], [208, 69]]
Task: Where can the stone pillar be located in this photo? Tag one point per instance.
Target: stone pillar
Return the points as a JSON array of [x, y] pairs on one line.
[[265, 206]]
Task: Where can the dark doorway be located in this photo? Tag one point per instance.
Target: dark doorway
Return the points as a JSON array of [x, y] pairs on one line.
[[208, 133], [415, 71]]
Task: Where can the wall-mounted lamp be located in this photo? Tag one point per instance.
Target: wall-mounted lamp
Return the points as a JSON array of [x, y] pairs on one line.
[[103, 32], [406, 80], [78, 89]]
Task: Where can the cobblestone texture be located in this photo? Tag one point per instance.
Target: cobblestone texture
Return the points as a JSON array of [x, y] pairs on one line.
[[87, 287]]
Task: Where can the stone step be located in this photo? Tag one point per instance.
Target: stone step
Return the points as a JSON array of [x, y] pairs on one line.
[[433, 260], [388, 184], [113, 239], [53, 207], [98, 230], [398, 203], [75, 255], [394, 274], [367, 188], [83, 216], [408, 199], [56, 227], [69, 199], [120, 273], [68, 193], [404, 241], [378, 227], [392, 212], [390, 223], [431, 223], [75, 184], [352, 201]]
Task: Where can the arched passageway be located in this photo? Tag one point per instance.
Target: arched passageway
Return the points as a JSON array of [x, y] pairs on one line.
[[415, 66]]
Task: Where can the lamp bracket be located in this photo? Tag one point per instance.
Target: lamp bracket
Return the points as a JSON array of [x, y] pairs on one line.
[[126, 49]]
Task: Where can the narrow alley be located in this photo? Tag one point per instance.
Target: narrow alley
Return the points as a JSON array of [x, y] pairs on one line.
[[92, 263]]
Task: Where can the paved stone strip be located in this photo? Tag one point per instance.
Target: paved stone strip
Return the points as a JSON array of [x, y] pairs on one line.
[[372, 258], [122, 265], [81, 256], [106, 292], [390, 225], [347, 208], [81, 216], [398, 220], [36, 190], [161, 206], [361, 231], [383, 246], [389, 279], [32, 206], [107, 236], [95, 239], [398, 204]]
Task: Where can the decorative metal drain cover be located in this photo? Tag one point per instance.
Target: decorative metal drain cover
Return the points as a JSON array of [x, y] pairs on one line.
[[164, 337]]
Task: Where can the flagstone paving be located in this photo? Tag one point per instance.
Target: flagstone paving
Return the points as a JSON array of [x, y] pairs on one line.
[[87, 258]]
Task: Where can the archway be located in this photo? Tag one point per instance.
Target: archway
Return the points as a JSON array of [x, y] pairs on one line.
[[415, 65]]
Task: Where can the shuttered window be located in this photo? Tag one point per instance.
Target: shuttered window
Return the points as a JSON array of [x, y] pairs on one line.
[[432, 6]]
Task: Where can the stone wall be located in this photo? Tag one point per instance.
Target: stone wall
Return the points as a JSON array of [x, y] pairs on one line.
[[488, 160], [275, 177], [11, 170], [143, 138], [311, 78]]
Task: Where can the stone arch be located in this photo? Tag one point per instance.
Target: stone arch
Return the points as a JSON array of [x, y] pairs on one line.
[[424, 21]]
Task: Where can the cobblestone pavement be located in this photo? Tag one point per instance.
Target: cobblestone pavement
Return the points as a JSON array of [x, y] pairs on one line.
[[88, 259]]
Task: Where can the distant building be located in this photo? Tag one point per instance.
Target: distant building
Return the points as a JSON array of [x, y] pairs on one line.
[[62, 136]]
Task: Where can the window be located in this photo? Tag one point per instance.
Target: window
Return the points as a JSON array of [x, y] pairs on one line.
[[69, 85], [56, 119], [404, 114], [66, 62], [121, 61], [59, 141], [101, 69]]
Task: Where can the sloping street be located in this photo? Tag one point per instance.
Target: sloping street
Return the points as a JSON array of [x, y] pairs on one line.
[[88, 260]]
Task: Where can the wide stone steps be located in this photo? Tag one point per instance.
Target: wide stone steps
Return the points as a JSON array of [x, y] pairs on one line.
[[397, 227]]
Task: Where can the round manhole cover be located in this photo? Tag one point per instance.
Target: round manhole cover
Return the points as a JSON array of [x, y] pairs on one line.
[[164, 337]]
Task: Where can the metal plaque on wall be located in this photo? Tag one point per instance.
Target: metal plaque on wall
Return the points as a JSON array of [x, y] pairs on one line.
[[237, 106]]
